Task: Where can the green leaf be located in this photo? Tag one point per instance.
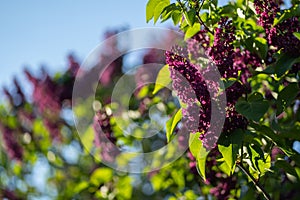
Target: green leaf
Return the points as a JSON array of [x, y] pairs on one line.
[[257, 45], [190, 16], [150, 7], [282, 164], [80, 187], [178, 177], [294, 11], [168, 11], [285, 63], [124, 188], [275, 138], [297, 35], [163, 79], [172, 123], [225, 168], [229, 82], [260, 163], [101, 175], [286, 97], [176, 16], [254, 108], [159, 9], [192, 30], [87, 139], [261, 44], [255, 153], [199, 152], [229, 147]]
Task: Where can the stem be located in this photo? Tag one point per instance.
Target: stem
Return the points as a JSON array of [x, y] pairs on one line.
[[197, 15], [256, 183], [202, 23]]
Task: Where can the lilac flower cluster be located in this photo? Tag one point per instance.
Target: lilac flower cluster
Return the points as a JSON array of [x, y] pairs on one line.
[[10, 134], [13, 148], [280, 36], [49, 95], [192, 89], [266, 10], [222, 50], [104, 138]]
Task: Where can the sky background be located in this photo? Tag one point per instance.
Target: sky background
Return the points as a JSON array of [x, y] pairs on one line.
[[36, 33]]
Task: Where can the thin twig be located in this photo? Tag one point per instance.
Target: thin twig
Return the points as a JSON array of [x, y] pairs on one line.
[[197, 15], [202, 23], [256, 183]]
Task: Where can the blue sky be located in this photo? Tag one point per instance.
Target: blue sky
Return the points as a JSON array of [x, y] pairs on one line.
[[35, 33]]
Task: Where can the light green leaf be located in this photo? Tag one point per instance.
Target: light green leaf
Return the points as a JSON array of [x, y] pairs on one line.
[[124, 188], [178, 177], [163, 79], [225, 168], [199, 152], [172, 123], [229, 147], [297, 35], [80, 187], [101, 175], [87, 139], [159, 9], [192, 30], [150, 7]]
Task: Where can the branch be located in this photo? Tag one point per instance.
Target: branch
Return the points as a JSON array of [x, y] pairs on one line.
[[202, 23], [256, 183], [197, 15]]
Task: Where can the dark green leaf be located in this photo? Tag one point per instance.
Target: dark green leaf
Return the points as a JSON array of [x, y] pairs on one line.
[[276, 139], [294, 11], [229, 82], [282, 164], [190, 17], [285, 63], [286, 97], [262, 47], [176, 16], [167, 12], [254, 108]]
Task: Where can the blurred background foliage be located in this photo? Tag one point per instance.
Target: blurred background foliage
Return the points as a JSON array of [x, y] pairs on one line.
[[42, 156]]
